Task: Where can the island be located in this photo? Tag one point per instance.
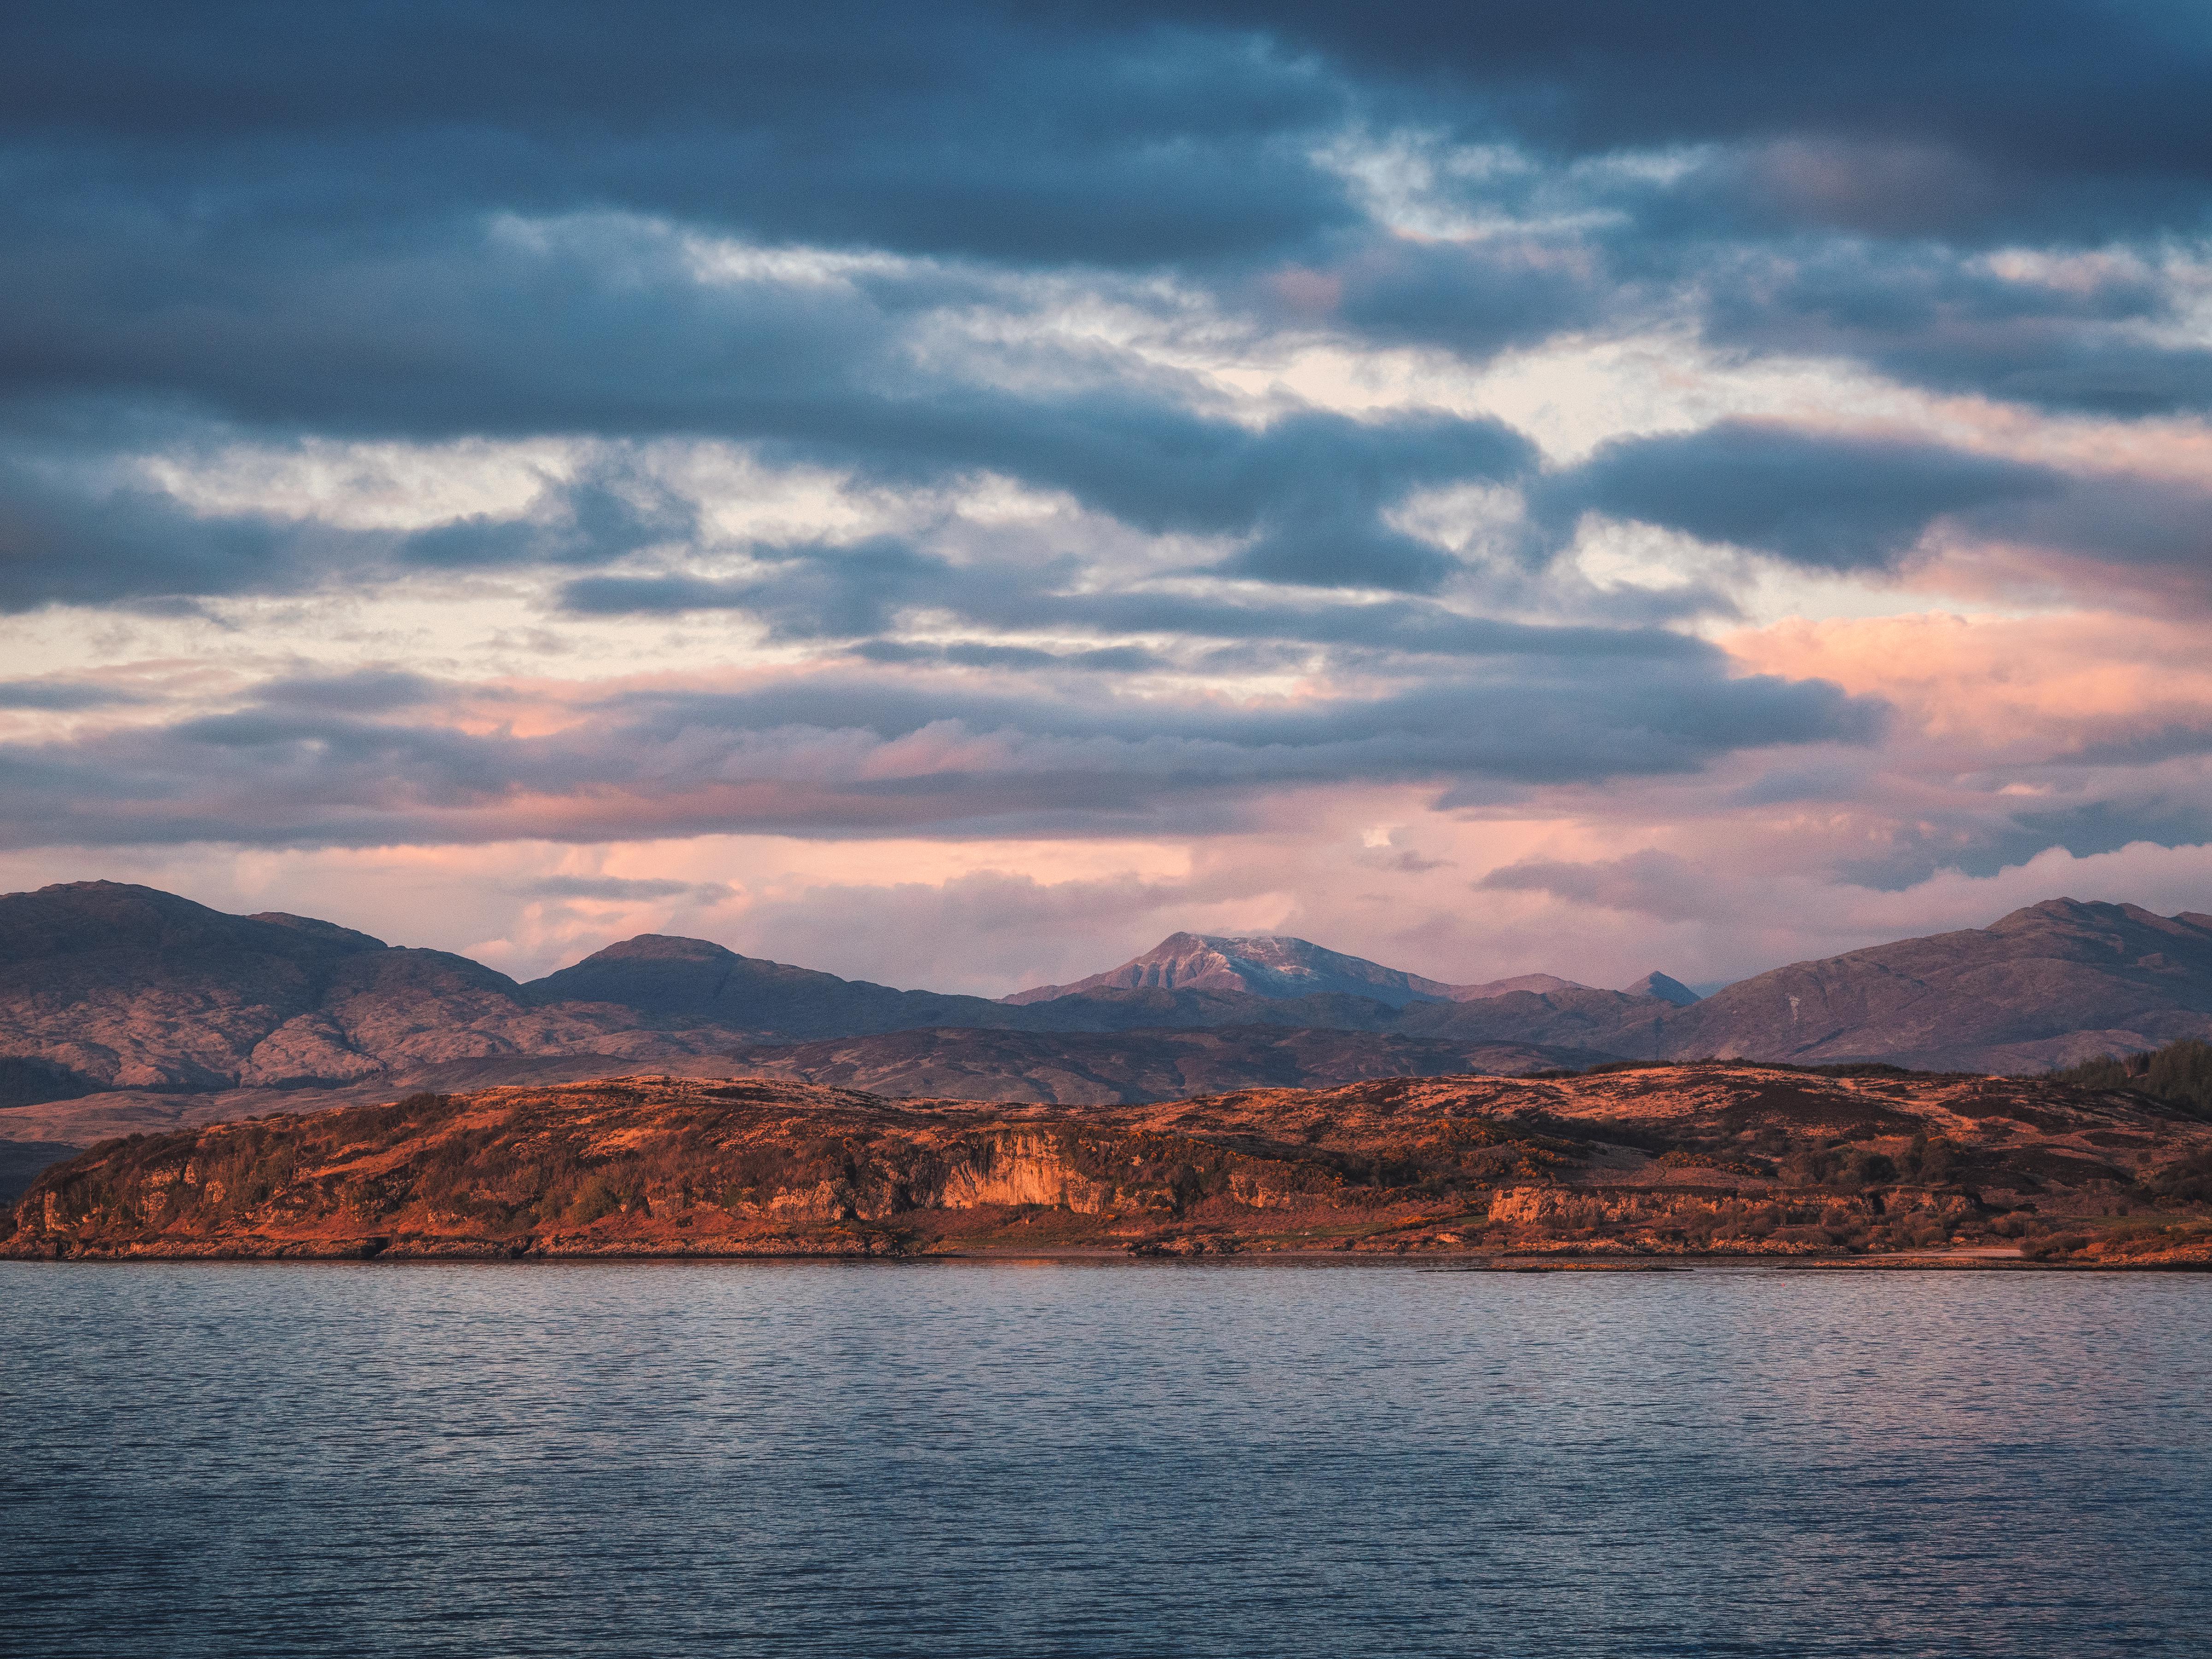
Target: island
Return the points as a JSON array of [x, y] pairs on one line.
[[1861, 1163]]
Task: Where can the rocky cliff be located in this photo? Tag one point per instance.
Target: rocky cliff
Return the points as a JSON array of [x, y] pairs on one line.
[[1653, 1160]]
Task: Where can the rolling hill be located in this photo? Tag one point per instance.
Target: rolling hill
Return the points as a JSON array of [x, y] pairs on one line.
[[1718, 1157], [123, 1008]]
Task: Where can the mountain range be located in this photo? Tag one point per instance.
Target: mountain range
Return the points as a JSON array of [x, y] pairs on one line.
[[107, 986], [116, 999], [1284, 969]]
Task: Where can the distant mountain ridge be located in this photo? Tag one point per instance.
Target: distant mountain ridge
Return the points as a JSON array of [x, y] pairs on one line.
[[1131, 1068], [108, 990], [2049, 985], [1656, 984], [1276, 966], [673, 984]]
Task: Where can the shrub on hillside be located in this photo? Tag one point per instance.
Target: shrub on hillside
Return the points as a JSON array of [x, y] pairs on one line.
[[2180, 1074], [2188, 1179]]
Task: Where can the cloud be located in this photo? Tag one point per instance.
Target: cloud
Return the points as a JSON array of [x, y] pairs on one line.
[[1650, 883], [2052, 91], [2009, 736], [1818, 499], [599, 517], [975, 654], [824, 591], [607, 326], [661, 237], [1875, 504], [364, 691], [986, 932], [2106, 330], [1125, 356], [857, 755], [616, 888], [58, 544], [1478, 299], [960, 132], [62, 696], [845, 591], [1992, 691], [2156, 527]]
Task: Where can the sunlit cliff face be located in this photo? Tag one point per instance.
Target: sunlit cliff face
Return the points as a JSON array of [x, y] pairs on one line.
[[951, 500]]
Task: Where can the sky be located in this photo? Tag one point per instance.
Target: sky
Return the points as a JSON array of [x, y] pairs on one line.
[[949, 494]]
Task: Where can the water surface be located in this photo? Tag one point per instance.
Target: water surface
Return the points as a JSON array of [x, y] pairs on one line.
[[941, 1459]]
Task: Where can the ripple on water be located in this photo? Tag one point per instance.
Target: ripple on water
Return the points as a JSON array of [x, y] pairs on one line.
[[944, 1459]]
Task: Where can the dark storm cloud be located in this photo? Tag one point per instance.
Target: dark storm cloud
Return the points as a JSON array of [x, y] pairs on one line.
[[2171, 741], [1667, 716], [1981, 845], [90, 545], [606, 513], [592, 324], [1089, 131], [62, 696], [604, 326], [857, 755], [946, 129], [817, 591], [979, 653], [1159, 469], [278, 212], [2080, 337], [1825, 501], [2104, 826], [1828, 501], [1063, 134], [830, 591], [83, 539], [364, 691], [2159, 526], [265, 225], [414, 221], [1476, 300], [2047, 87], [1320, 484], [295, 223], [1807, 250], [1307, 494]]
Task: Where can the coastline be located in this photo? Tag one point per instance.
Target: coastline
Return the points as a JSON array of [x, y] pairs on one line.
[[1468, 1262], [1722, 1162]]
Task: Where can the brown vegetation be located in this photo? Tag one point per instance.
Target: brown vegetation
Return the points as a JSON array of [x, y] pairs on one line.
[[1710, 1157]]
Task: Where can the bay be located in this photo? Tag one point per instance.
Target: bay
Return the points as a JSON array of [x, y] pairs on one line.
[[1066, 1458]]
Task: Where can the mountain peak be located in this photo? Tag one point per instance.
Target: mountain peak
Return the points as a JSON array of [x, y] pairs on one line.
[[73, 917], [662, 947], [1279, 966], [329, 931], [1664, 986], [1536, 984]]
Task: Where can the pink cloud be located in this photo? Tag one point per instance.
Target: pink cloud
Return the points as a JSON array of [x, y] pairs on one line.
[[2008, 686]]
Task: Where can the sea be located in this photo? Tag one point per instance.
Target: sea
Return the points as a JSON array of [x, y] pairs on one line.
[[1078, 1458]]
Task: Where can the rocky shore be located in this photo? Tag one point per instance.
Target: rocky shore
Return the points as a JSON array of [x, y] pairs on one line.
[[1638, 1163]]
